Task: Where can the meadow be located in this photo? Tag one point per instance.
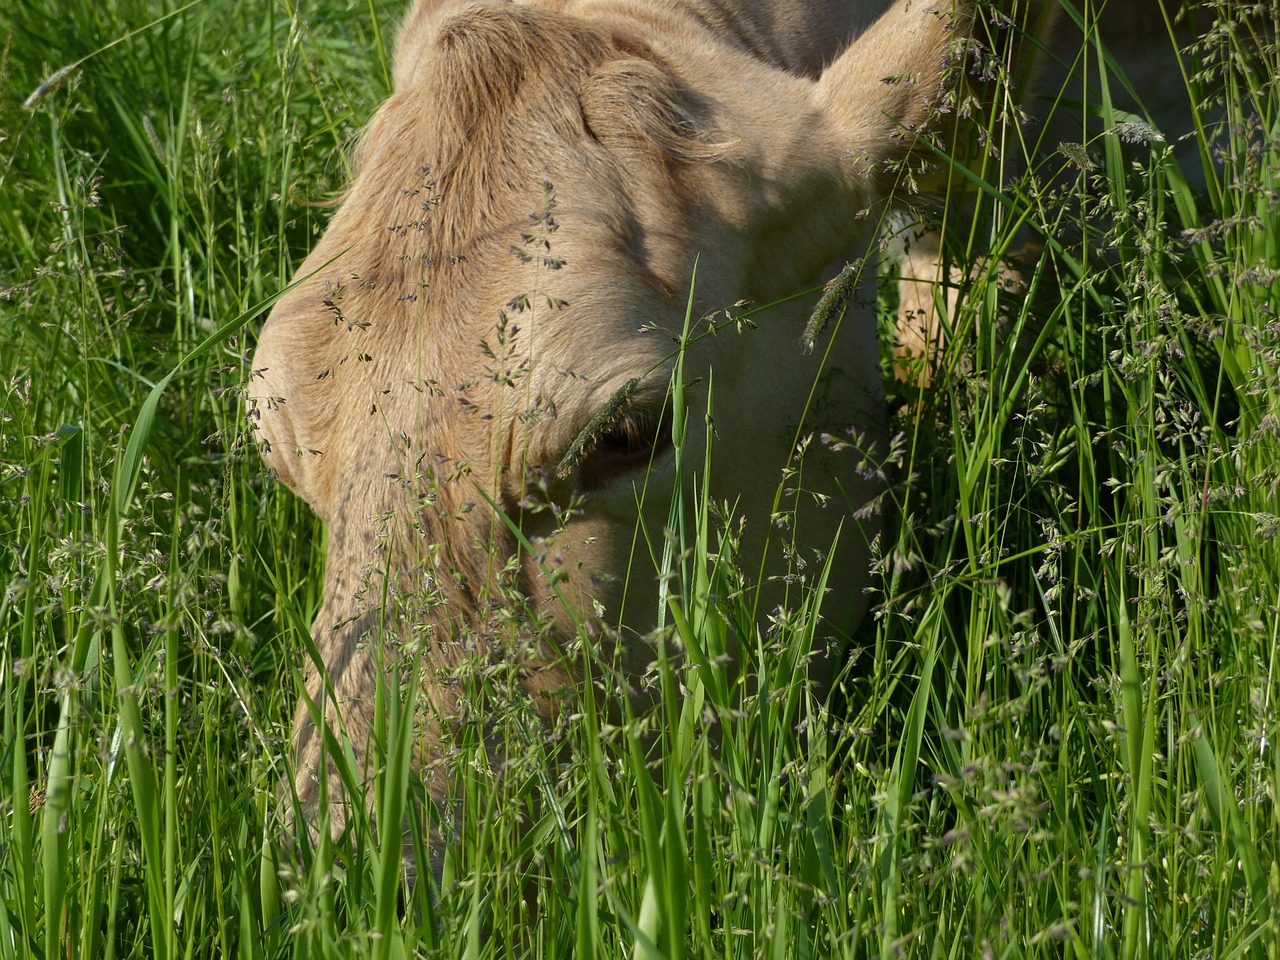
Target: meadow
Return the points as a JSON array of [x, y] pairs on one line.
[[1055, 736]]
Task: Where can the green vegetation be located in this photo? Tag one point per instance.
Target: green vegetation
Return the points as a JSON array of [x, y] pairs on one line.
[[1056, 737]]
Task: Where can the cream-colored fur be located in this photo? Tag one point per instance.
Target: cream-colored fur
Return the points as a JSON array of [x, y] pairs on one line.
[[516, 247]]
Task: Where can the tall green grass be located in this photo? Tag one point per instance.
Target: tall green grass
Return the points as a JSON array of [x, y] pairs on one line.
[[1055, 736]]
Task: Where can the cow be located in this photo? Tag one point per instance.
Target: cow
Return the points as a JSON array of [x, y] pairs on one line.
[[469, 379]]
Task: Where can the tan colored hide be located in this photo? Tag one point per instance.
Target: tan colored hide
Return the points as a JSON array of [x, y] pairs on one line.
[[515, 249]]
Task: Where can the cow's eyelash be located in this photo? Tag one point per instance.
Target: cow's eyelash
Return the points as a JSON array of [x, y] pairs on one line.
[[630, 443], [634, 430]]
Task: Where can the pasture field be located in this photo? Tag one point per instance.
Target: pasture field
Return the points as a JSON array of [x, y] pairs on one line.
[[1056, 736]]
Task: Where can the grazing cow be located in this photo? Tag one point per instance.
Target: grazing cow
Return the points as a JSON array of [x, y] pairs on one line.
[[489, 324]]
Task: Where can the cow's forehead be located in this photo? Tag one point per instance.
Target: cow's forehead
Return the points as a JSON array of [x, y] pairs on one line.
[[560, 264]]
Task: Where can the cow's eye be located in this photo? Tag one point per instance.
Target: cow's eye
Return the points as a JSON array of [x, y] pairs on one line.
[[631, 443]]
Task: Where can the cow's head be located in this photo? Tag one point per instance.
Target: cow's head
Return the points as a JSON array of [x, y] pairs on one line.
[[492, 319]]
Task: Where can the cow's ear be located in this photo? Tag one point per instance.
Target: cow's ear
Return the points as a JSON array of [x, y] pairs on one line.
[[887, 84], [635, 104], [417, 35]]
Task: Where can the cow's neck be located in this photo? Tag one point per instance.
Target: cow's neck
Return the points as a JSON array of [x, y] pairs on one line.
[[801, 38]]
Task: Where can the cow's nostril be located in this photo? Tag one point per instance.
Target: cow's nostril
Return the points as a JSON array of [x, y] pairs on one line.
[[632, 443]]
